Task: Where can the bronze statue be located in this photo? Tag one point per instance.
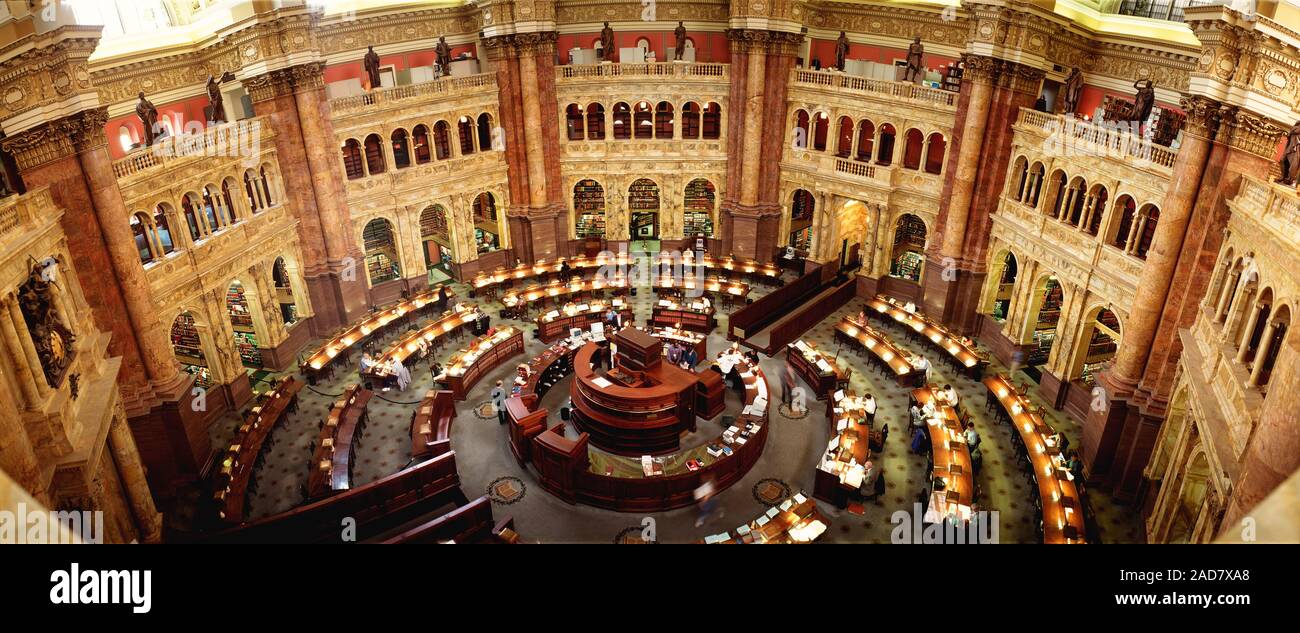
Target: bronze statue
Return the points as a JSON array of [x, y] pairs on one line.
[[1072, 91], [915, 61], [215, 111], [51, 338], [841, 50], [1291, 157], [149, 118], [607, 43], [444, 55], [680, 48], [371, 65], [1144, 101]]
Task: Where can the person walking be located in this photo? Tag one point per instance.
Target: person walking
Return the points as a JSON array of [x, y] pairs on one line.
[[499, 402]]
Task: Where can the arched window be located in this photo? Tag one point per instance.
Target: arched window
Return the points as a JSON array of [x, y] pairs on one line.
[[441, 140], [691, 120], [622, 121], [663, 120], [162, 229], [381, 251], [266, 188], [1096, 208], [821, 129], [913, 146], [642, 124], [1122, 228], [213, 200], [191, 219], [1148, 216], [589, 209], [465, 130], [712, 121], [1271, 346], [595, 122], [866, 139], [251, 187], [909, 248], [1019, 184], [125, 138], [374, 151], [802, 131], [228, 198], [573, 118], [802, 208], [1056, 194], [885, 151], [204, 202], [420, 143], [1035, 184], [934, 153], [435, 235], [140, 233], [844, 142], [698, 203], [401, 149], [351, 160], [1075, 200], [485, 132], [487, 224]]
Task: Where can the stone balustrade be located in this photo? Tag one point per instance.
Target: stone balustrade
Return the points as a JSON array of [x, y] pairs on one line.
[[447, 87]]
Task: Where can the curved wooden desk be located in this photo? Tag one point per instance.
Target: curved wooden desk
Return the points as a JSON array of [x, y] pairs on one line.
[[933, 332], [447, 324], [883, 348], [239, 460], [633, 419], [951, 458], [469, 365], [339, 347], [331, 466]]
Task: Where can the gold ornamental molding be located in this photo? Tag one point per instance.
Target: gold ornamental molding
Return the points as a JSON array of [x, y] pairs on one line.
[[279, 83], [1250, 132], [666, 14], [745, 41], [44, 77], [1249, 62], [58, 139], [520, 44]]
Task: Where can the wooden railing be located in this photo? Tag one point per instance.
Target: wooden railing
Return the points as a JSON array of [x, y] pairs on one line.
[[1071, 134], [444, 86], [228, 139], [880, 87], [678, 70]]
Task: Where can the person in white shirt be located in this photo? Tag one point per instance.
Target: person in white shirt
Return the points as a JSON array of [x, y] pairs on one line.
[[869, 405], [922, 365], [972, 438], [949, 395]]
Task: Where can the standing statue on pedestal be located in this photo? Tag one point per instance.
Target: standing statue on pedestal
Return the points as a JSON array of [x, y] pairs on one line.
[[371, 65], [607, 43], [1291, 157], [680, 48], [215, 111], [149, 118], [444, 55], [915, 61], [841, 50], [1072, 91], [1144, 101]]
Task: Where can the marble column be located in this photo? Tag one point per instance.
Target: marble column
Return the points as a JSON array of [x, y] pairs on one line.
[[753, 136], [533, 132], [25, 373], [131, 473], [1261, 352], [1244, 349], [17, 455]]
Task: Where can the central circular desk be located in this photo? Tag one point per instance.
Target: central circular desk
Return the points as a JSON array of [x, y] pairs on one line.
[[642, 413]]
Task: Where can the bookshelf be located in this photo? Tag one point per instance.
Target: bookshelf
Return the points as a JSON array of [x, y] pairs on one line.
[[380, 251], [907, 266], [952, 79], [246, 343], [1050, 312], [698, 204], [589, 209], [643, 195], [237, 305], [185, 341]]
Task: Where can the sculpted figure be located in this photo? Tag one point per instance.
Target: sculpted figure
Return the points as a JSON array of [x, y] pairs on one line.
[[1072, 91], [841, 50], [149, 118], [680, 47], [607, 43], [915, 61], [371, 65], [1291, 157], [443, 52], [1145, 99]]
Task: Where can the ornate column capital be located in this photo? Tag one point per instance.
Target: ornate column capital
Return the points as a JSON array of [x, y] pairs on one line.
[[1252, 133], [744, 41], [501, 47], [1203, 116], [58, 139]]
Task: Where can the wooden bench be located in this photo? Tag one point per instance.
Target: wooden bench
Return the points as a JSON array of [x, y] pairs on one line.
[[472, 523], [431, 425]]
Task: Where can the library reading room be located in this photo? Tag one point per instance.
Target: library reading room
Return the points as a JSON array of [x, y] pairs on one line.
[[638, 271]]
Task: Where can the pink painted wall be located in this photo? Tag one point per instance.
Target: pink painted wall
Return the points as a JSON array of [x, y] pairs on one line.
[[709, 47], [824, 50], [401, 61], [178, 113]]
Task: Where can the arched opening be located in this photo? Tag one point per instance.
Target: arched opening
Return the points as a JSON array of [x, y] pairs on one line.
[[698, 202], [465, 132], [162, 229], [909, 248], [435, 236], [802, 130], [188, 348], [401, 149], [204, 204], [866, 140], [1074, 201], [1048, 297], [1272, 341], [885, 148], [213, 201], [125, 139], [913, 146], [844, 138], [420, 143], [643, 204], [1098, 341], [1122, 225], [252, 189], [1056, 194], [935, 150], [191, 220], [485, 132], [241, 320], [1096, 209], [352, 165], [595, 122], [140, 233], [1190, 499], [1148, 216], [1035, 188], [821, 130], [374, 152], [802, 208], [228, 199], [643, 120], [266, 176], [382, 263], [691, 120], [441, 140], [1019, 183], [622, 121], [573, 122], [1002, 280], [280, 275], [712, 121], [589, 209], [663, 120], [1253, 323], [487, 223]]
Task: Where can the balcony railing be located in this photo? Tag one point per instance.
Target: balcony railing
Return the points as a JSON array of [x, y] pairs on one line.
[[1073, 135], [677, 70], [18, 210], [445, 86], [1275, 204], [235, 138], [880, 87]]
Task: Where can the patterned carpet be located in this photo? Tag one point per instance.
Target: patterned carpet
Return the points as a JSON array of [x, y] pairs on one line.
[[788, 460]]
